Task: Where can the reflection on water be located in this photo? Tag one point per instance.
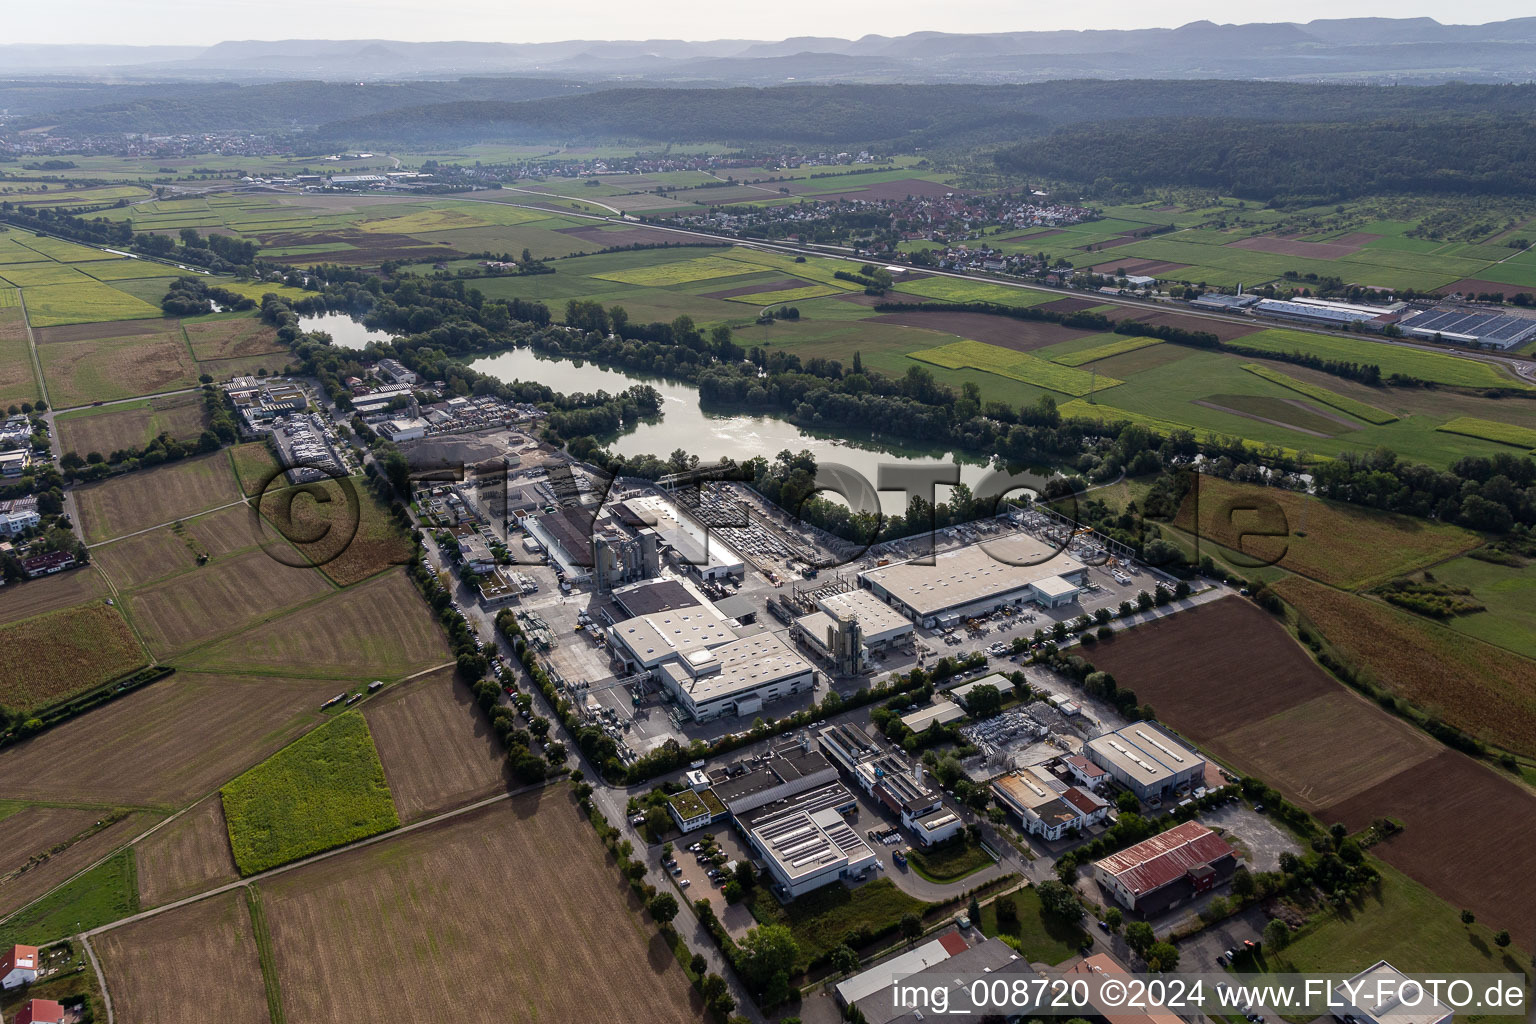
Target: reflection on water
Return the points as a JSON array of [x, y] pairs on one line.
[[344, 331], [684, 424]]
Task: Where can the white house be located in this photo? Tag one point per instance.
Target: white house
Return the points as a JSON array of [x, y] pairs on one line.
[[18, 967]]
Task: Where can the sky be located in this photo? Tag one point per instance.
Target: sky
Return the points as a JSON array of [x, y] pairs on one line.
[[202, 22]]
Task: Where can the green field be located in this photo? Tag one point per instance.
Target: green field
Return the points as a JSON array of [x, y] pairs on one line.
[[810, 291], [1359, 410], [1412, 362], [1488, 430], [1119, 346], [1403, 923], [108, 892], [953, 289], [1020, 366], [85, 302], [822, 919], [704, 268], [319, 792], [1039, 938], [1509, 595]]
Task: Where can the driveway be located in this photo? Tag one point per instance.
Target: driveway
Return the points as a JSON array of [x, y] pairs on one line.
[[1257, 834]]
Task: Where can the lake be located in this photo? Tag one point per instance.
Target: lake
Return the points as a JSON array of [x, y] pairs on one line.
[[344, 331], [709, 435]]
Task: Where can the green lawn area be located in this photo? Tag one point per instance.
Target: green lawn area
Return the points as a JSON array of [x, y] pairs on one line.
[[106, 893], [821, 920], [319, 792], [1508, 593], [950, 861], [1119, 346], [952, 289], [1020, 366], [1038, 937], [1360, 410], [1403, 923]]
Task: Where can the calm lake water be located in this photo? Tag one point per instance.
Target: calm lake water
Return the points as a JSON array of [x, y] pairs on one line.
[[709, 435], [344, 331]]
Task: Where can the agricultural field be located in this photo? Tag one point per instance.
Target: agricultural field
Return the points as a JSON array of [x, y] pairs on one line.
[[437, 748], [346, 550], [165, 744], [1359, 410], [86, 301], [156, 968], [1503, 433], [324, 790], [380, 628], [1333, 542], [226, 336], [1491, 875], [18, 379], [50, 593], [1020, 366], [1118, 347], [406, 922], [106, 369], [1475, 686], [140, 500], [1508, 594], [217, 598], [1412, 362], [186, 856], [55, 655], [111, 428], [681, 272], [82, 850], [254, 465]]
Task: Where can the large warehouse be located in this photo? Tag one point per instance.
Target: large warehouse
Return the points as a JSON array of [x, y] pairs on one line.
[[1147, 761], [736, 678], [1493, 330], [978, 579], [1160, 873]]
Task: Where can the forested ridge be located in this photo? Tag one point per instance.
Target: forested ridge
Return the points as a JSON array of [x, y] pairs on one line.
[[1482, 154]]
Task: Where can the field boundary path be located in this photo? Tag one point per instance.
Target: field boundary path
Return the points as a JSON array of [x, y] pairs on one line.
[[101, 981], [126, 401]]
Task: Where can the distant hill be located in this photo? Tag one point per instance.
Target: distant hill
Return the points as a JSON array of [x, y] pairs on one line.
[[1419, 50]]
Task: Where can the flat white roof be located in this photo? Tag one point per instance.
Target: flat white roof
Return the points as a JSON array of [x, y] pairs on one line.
[[878, 620], [1144, 752], [991, 569], [1381, 978], [808, 836], [942, 712], [660, 635], [881, 976], [745, 665], [1055, 586], [685, 535]]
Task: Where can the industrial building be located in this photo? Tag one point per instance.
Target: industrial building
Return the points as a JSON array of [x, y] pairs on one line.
[[1488, 330], [889, 777], [1327, 313], [1115, 1012], [979, 579], [736, 678], [1381, 994], [789, 769], [1224, 303], [880, 1000], [646, 641], [695, 547], [806, 842], [847, 627], [940, 712], [1160, 873], [1147, 761], [1046, 805]]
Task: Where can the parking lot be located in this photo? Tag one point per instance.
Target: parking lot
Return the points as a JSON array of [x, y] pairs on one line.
[[689, 868]]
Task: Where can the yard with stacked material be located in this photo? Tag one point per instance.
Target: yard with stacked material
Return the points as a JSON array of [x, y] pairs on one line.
[[204, 956], [322, 791], [139, 500], [422, 919], [49, 657], [1336, 543], [1230, 678], [438, 749]]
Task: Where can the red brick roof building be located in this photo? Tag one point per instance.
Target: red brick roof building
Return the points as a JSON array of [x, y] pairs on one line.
[[41, 1011]]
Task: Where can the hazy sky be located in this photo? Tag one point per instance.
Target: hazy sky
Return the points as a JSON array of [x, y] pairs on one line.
[[209, 21]]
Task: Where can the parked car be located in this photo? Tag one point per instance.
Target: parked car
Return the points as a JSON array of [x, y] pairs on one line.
[[684, 883]]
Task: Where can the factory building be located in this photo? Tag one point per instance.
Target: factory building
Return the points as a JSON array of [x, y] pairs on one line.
[[979, 579], [1046, 805], [735, 678], [889, 777], [1381, 994], [1160, 873], [806, 842], [1147, 761]]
